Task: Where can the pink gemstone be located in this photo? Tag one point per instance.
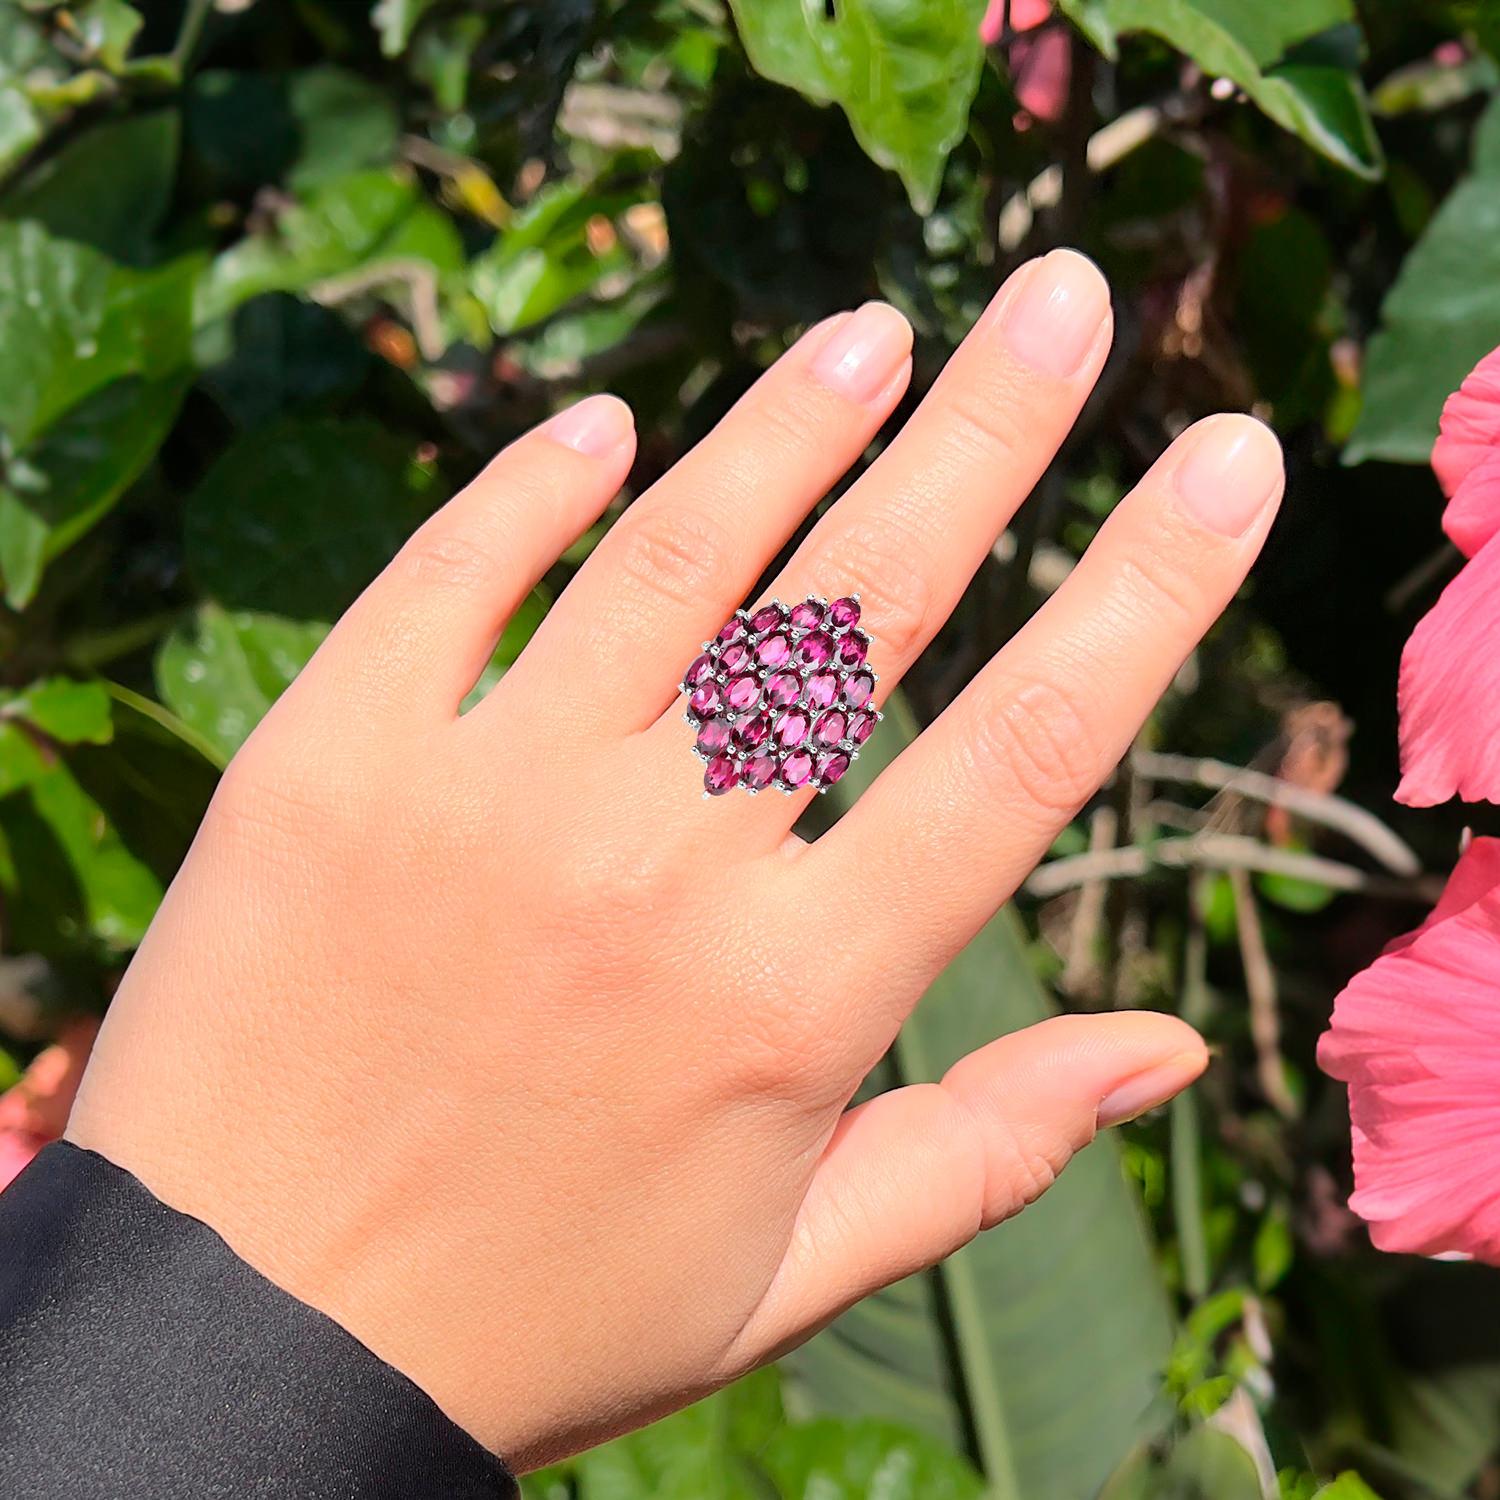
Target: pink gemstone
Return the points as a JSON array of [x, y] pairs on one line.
[[830, 728], [719, 775], [767, 618], [774, 651], [831, 767], [852, 649], [808, 615], [796, 769], [706, 700], [782, 688], [822, 689], [815, 649], [713, 738], [791, 728], [752, 731], [699, 673], [743, 692], [843, 613], [862, 725], [735, 658], [759, 771], [734, 630], [858, 688]]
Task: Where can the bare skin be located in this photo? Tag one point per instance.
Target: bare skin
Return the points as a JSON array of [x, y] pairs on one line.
[[493, 1040]]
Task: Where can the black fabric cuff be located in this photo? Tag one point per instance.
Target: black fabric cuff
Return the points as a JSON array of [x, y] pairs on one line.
[[140, 1356]]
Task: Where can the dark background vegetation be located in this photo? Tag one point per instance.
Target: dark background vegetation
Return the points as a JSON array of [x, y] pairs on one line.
[[275, 278]]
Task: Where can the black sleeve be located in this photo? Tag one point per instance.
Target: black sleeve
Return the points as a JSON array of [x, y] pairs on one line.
[[140, 1357]]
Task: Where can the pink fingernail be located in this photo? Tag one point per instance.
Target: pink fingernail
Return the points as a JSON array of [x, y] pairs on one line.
[[1052, 318], [863, 353], [1231, 473], [1147, 1089], [595, 426]]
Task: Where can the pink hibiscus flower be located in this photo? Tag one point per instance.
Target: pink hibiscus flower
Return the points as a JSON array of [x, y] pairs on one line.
[[1416, 1037], [1041, 65], [35, 1112]]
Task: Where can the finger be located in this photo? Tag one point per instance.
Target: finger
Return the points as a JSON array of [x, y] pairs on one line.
[[948, 830], [913, 1175], [421, 633], [682, 557], [910, 533]]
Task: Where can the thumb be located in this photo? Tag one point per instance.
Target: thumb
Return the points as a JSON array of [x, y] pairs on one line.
[[915, 1174]]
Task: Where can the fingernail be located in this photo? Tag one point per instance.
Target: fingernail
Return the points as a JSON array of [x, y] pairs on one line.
[[1231, 473], [863, 353], [1051, 319], [1146, 1090], [596, 426]]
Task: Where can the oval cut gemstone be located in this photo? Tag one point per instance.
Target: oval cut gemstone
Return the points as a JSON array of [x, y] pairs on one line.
[[774, 651], [858, 688], [734, 658], [719, 775], [808, 615], [853, 648], [752, 731], [767, 618], [796, 769], [713, 738], [734, 630], [782, 688], [822, 689], [814, 650], [759, 771], [832, 767], [830, 728], [791, 728], [843, 613], [699, 673], [706, 700], [742, 693], [862, 725]]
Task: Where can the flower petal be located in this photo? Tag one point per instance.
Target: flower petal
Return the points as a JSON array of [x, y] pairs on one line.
[[1470, 426], [1449, 695], [1475, 875], [1041, 67], [1472, 516]]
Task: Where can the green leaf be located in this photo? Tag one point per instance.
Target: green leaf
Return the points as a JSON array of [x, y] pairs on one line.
[[344, 124], [20, 125], [1046, 1338], [904, 71], [1439, 319], [295, 519], [219, 672], [67, 481], [107, 29], [72, 713], [1348, 1486], [1446, 1424], [829, 1460], [395, 20]]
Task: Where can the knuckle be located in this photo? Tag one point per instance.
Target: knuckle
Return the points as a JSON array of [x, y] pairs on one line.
[[887, 566], [443, 558], [677, 555], [1037, 738], [1162, 589], [986, 425], [1022, 1171]]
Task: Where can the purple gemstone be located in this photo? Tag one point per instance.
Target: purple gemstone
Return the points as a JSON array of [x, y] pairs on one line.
[[858, 688], [752, 731], [831, 767], [822, 689], [713, 738], [774, 651], [782, 688], [830, 728], [734, 630], [815, 649], [862, 725], [853, 648], [767, 618], [735, 658], [719, 775], [791, 728], [699, 673], [843, 613], [706, 700], [759, 771], [808, 615], [796, 769], [742, 692]]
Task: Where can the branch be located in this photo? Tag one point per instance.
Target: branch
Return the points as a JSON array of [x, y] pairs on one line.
[[420, 281]]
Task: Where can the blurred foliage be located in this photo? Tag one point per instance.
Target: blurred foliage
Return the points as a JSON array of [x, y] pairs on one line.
[[276, 278]]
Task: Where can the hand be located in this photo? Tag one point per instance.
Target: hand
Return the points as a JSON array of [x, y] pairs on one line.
[[493, 1040]]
